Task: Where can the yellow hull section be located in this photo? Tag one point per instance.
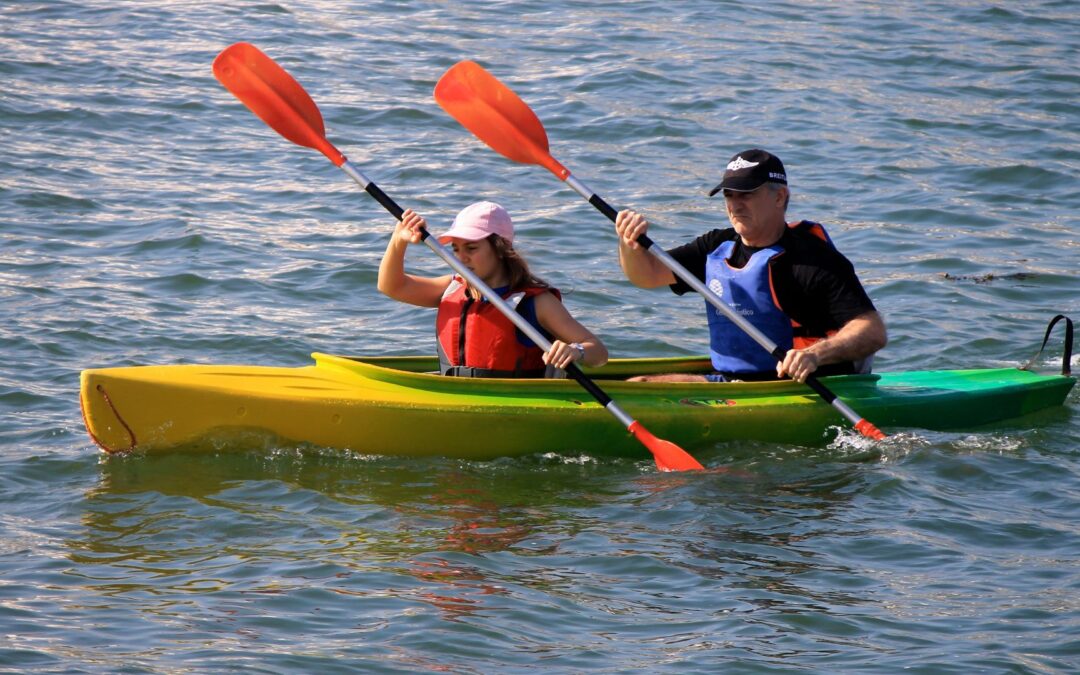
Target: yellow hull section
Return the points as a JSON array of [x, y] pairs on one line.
[[396, 410]]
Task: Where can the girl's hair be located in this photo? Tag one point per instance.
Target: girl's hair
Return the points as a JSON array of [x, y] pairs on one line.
[[517, 270]]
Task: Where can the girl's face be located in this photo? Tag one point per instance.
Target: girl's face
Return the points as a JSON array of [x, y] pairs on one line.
[[480, 257]]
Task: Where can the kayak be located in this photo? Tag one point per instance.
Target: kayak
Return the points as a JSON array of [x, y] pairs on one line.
[[399, 406]]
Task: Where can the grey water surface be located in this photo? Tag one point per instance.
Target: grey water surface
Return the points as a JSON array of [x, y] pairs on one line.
[[147, 217]]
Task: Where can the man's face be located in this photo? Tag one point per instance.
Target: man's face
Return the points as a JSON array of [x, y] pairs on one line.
[[758, 216]]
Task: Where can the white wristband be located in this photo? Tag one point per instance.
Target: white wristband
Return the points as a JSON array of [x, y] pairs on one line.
[[580, 349]]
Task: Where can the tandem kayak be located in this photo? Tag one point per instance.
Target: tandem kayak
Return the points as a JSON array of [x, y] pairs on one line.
[[396, 406]]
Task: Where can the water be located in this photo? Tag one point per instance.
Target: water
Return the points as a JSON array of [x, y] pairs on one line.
[[149, 218]]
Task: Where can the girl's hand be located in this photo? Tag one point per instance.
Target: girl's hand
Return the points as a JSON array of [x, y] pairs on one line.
[[408, 228], [562, 354]]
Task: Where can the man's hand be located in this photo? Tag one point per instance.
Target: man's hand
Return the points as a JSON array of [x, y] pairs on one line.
[[798, 364], [630, 225]]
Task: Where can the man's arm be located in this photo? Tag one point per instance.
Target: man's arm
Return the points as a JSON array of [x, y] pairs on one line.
[[856, 340], [641, 267]]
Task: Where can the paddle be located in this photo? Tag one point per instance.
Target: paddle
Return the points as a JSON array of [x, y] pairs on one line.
[[497, 116], [279, 100]]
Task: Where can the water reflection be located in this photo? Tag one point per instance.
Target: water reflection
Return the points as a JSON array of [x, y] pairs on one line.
[[273, 524], [250, 547]]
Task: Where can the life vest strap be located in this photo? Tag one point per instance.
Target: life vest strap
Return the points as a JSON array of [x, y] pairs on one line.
[[465, 371]]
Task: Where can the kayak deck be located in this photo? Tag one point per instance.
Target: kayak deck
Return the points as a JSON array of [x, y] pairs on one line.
[[395, 406]]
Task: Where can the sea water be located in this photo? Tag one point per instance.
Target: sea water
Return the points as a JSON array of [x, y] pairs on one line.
[[149, 218]]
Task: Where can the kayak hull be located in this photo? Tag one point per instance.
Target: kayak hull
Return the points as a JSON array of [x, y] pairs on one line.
[[392, 406]]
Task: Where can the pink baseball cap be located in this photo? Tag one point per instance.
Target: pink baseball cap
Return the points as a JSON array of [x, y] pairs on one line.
[[477, 221]]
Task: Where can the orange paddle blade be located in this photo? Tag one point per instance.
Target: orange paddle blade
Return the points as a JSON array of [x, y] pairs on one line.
[[495, 115], [272, 94], [869, 430], [668, 456]]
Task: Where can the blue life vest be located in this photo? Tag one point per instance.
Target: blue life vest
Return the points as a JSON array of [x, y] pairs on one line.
[[748, 292]]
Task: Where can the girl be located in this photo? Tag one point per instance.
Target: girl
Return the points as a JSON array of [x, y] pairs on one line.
[[474, 338]]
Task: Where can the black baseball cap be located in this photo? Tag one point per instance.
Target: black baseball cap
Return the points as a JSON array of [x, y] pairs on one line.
[[749, 170]]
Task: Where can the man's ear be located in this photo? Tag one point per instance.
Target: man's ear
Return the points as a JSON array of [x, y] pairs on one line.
[[782, 196]]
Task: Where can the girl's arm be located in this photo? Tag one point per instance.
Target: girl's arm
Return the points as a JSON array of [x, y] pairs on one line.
[[394, 282], [556, 319]]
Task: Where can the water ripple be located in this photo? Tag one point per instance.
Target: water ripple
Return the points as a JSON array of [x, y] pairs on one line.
[[151, 219]]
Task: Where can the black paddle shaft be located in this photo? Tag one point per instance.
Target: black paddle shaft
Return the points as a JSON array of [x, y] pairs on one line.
[[384, 199], [395, 210]]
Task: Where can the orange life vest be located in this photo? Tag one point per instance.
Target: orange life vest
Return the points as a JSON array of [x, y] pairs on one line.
[[475, 339]]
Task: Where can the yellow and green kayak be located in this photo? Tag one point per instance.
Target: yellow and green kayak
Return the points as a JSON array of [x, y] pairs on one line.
[[395, 406]]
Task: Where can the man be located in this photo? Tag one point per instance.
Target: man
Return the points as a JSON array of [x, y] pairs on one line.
[[786, 280]]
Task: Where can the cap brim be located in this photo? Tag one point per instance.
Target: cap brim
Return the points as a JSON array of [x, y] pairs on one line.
[[466, 233], [736, 185]]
